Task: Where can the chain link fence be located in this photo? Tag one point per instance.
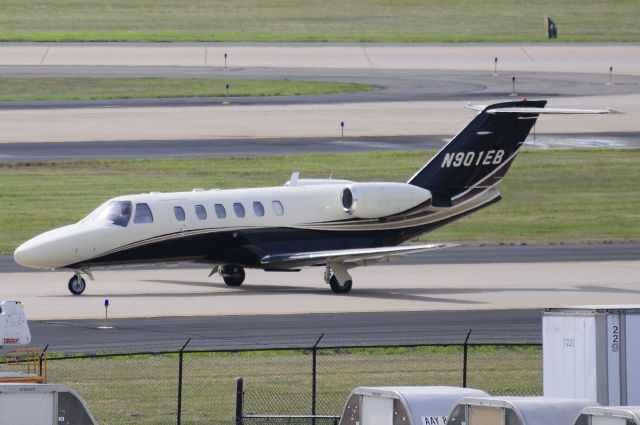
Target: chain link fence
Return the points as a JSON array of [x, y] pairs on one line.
[[143, 388]]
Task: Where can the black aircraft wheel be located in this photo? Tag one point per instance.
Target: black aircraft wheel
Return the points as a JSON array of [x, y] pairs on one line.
[[233, 274], [77, 285], [337, 288]]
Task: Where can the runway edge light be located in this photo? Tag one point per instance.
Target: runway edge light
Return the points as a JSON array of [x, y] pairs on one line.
[[106, 316]]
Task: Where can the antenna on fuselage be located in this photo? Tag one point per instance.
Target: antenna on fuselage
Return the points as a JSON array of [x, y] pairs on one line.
[[293, 180]]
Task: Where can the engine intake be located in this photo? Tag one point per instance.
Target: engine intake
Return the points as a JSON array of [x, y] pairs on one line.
[[349, 200], [374, 200]]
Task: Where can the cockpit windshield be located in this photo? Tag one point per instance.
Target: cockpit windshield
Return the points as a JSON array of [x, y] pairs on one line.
[[114, 212]]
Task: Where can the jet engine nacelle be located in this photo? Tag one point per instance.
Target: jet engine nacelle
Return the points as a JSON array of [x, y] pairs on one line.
[[373, 200]]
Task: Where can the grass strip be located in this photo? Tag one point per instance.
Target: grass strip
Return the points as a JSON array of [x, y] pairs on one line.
[[330, 20], [86, 88], [549, 196]]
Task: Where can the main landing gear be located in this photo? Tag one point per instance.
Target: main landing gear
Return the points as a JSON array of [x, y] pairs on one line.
[[232, 274], [337, 276]]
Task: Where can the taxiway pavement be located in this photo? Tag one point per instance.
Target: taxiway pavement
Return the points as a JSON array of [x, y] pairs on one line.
[[542, 57], [189, 292], [284, 331]]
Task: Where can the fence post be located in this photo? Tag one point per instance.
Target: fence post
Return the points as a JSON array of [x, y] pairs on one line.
[[464, 361], [313, 380], [44, 350], [180, 358], [239, 400]]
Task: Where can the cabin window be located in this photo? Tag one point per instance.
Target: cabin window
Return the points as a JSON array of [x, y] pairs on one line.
[[116, 212], [277, 207], [258, 208], [143, 214], [239, 209], [201, 212], [179, 212], [220, 211]]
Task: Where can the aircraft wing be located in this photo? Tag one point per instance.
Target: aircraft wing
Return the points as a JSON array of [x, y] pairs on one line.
[[358, 256]]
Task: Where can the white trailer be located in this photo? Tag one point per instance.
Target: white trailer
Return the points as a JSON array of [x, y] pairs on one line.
[[516, 411], [591, 352], [42, 404], [609, 415], [402, 405]]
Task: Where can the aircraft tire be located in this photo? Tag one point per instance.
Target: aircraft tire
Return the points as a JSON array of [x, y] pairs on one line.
[[233, 274], [337, 288], [77, 285]]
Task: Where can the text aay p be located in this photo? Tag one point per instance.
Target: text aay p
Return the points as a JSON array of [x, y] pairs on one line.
[[472, 159]]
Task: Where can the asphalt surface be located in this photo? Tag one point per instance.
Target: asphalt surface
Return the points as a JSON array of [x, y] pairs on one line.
[[49, 151], [57, 151], [285, 331], [392, 85], [466, 255]]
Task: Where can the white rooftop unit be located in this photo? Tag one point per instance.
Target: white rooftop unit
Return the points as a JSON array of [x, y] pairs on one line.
[[609, 415], [516, 411], [402, 405], [591, 352], [42, 404]]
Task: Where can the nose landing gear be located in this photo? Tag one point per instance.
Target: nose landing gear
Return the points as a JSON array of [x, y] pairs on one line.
[[232, 274], [77, 284]]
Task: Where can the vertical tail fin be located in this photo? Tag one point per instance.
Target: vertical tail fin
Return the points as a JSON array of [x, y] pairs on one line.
[[480, 155]]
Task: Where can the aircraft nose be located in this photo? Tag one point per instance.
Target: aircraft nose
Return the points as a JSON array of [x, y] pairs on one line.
[[42, 252], [27, 255]]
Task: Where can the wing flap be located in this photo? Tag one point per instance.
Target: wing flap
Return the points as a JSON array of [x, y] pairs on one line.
[[346, 256]]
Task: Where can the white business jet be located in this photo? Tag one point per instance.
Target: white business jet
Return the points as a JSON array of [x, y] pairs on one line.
[[337, 224]]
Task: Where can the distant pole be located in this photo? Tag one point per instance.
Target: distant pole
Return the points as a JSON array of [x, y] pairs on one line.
[[342, 131], [225, 62], [226, 94], [610, 76], [495, 66], [513, 86]]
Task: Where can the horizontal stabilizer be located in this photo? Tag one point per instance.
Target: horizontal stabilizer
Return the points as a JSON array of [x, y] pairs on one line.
[[534, 110], [347, 256]]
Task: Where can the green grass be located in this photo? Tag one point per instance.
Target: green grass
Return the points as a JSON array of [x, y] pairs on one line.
[[329, 20], [83, 88], [142, 389], [549, 196]]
